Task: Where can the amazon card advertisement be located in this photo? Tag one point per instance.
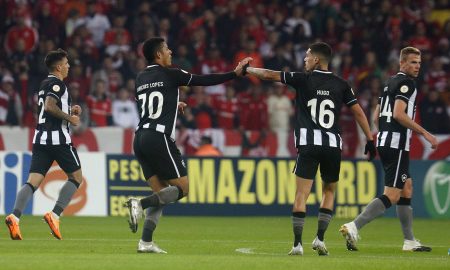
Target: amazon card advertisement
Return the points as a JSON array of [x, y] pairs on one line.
[[89, 200], [252, 187]]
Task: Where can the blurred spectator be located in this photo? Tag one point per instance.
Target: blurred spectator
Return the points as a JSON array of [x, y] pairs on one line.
[[214, 63], [206, 149], [118, 29], [227, 109], [99, 105], [278, 61], [297, 19], [78, 99], [76, 75], [253, 108], [73, 21], [200, 104], [436, 77], [181, 58], [21, 37], [10, 105], [97, 23], [46, 25], [109, 75], [434, 115], [280, 109], [124, 111], [249, 51]]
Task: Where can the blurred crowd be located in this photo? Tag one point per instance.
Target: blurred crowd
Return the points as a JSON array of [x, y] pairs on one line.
[[103, 39]]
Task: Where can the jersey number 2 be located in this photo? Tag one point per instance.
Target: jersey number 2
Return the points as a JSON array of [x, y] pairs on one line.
[[323, 110], [41, 119], [149, 109]]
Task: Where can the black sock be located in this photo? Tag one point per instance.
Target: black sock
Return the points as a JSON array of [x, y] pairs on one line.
[[323, 221], [298, 220]]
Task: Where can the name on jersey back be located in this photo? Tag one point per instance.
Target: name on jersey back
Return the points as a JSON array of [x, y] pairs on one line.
[[150, 85], [323, 92]]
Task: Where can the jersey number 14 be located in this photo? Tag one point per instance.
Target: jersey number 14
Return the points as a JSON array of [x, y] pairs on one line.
[[386, 109]]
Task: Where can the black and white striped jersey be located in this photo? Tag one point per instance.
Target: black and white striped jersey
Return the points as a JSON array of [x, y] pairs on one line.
[[51, 130], [318, 102], [391, 133], [157, 97]]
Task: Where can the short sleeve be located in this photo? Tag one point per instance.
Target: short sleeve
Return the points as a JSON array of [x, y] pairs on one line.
[[180, 76], [405, 90], [56, 90], [349, 96], [293, 79]]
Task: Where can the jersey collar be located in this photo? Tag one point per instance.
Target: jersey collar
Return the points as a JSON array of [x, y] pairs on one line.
[[322, 71]]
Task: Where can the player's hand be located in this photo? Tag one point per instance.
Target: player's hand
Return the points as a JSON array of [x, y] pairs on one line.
[[240, 67], [431, 139], [181, 106], [74, 120], [370, 148], [76, 110]]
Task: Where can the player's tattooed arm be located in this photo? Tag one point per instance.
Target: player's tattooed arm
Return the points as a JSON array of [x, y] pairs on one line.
[[52, 108], [264, 74]]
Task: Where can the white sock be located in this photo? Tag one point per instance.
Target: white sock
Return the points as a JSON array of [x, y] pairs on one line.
[[55, 215]]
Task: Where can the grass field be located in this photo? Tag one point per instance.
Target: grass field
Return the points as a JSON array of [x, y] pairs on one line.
[[211, 243]]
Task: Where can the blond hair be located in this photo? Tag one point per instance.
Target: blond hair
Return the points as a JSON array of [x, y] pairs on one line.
[[407, 51]]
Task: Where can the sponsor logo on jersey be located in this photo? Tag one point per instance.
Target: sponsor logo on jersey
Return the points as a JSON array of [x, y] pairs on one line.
[[56, 88]]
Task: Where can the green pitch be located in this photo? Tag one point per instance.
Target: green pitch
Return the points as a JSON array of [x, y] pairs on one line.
[[212, 243]]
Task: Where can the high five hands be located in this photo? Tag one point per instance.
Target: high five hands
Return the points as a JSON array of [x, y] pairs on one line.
[[239, 70]]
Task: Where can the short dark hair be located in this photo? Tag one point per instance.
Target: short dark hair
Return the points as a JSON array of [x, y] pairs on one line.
[[151, 47], [53, 57], [322, 49]]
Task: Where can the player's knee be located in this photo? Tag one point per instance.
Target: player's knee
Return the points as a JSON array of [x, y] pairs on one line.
[[393, 197]]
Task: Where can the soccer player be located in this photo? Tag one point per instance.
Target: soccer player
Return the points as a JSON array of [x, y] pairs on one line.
[[394, 115], [319, 97], [157, 97], [51, 142]]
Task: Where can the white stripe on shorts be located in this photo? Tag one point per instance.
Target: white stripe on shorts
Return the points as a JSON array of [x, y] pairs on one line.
[[173, 161], [73, 154], [398, 167]]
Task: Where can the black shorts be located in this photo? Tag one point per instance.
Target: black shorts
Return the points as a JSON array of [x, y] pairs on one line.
[[43, 156], [158, 154], [309, 158], [396, 166]]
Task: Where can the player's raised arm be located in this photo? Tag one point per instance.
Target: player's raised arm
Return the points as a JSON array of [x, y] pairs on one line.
[[264, 74], [218, 78]]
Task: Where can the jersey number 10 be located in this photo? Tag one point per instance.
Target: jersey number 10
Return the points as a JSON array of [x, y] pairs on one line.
[[149, 109]]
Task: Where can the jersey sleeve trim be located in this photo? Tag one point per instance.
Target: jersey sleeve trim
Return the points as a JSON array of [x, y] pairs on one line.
[[53, 94], [189, 80], [351, 102], [402, 98], [283, 77]]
